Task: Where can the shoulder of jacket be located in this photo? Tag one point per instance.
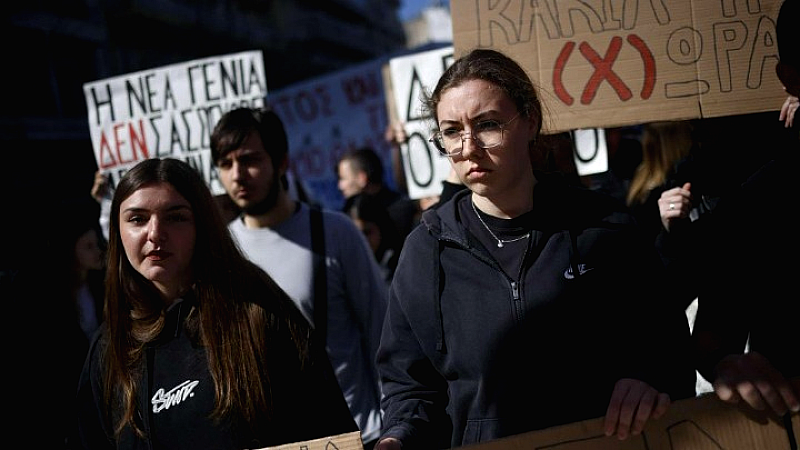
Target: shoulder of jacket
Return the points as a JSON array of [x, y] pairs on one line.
[[581, 207]]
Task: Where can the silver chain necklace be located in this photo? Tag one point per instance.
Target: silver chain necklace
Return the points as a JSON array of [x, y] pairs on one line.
[[500, 242]]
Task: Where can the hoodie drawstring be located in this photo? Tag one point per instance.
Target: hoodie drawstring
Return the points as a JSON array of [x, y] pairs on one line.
[[440, 345]]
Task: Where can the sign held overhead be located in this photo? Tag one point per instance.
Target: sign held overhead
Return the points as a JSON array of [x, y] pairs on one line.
[[602, 63], [170, 111]]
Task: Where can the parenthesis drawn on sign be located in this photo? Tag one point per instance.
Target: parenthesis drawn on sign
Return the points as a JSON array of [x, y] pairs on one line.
[[649, 65], [558, 73]]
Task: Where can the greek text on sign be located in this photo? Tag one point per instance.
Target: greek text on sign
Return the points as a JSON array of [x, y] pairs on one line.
[[414, 76], [170, 111], [604, 63]]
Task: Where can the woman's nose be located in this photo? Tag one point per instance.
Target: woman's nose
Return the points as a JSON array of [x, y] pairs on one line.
[[156, 232], [468, 145]]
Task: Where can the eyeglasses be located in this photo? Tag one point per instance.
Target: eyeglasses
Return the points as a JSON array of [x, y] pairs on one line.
[[485, 134]]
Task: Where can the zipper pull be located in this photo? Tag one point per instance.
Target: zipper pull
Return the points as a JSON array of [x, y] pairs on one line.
[[515, 290]]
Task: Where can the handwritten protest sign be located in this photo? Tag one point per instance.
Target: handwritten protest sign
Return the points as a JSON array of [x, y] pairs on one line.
[[701, 423], [346, 441], [412, 76], [329, 115], [602, 64], [170, 111]]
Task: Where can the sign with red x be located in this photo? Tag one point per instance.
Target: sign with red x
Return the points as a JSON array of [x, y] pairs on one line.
[[607, 63]]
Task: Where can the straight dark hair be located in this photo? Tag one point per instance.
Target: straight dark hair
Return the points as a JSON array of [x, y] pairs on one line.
[[496, 68], [236, 307]]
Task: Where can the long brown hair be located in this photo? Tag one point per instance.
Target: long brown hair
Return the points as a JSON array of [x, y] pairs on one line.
[[237, 304], [664, 144]]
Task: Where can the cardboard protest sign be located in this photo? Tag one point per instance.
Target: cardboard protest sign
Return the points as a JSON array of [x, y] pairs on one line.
[[329, 115], [603, 64], [702, 423], [170, 111], [346, 441], [410, 77]]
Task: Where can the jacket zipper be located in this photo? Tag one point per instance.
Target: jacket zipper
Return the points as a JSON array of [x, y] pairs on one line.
[[516, 301], [516, 285]]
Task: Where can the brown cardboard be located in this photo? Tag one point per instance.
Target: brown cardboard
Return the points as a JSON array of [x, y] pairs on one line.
[[347, 441], [702, 423], [601, 64]]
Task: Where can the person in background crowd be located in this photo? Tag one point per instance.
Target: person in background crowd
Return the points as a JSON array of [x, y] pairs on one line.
[[200, 348], [745, 331], [395, 135], [521, 270], [361, 170], [100, 191], [664, 146], [317, 256], [371, 217], [65, 288], [789, 110]]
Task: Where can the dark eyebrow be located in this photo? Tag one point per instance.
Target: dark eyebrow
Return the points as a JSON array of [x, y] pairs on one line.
[[171, 208], [180, 207], [479, 117]]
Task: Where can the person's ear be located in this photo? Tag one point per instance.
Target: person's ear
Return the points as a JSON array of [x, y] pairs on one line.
[[283, 167], [790, 78], [532, 128], [362, 179]]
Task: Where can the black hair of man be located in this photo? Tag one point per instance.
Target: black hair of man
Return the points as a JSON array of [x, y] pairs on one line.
[[365, 160], [235, 126]]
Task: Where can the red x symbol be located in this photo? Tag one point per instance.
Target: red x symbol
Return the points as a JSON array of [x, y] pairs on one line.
[[602, 71]]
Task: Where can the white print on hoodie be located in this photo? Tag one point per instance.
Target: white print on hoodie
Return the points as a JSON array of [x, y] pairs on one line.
[[163, 400]]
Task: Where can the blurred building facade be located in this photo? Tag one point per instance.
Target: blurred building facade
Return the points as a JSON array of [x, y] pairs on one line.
[[52, 47], [434, 25]]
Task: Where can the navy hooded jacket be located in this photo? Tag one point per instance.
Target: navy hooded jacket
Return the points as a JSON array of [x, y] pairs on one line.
[[471, 354]]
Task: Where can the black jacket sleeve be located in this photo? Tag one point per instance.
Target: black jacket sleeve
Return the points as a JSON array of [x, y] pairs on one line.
[[91, 430]]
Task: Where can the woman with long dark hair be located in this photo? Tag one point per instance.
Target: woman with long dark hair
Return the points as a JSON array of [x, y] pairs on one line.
[[200, 349]]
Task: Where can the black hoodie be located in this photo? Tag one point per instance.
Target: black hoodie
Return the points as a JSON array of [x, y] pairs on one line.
[[471, 354], [177, 397]]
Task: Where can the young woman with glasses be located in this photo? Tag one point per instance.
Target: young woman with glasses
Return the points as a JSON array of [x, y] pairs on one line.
[[522, 302]]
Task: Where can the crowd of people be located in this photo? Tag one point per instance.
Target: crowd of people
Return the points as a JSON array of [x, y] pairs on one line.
[[521, 298]]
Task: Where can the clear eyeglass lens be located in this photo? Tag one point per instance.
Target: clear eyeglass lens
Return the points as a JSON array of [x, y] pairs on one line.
[[487, 134]]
